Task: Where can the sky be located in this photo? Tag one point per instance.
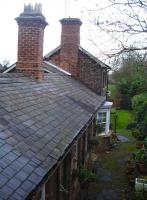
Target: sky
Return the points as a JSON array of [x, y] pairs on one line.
[[53, 10]]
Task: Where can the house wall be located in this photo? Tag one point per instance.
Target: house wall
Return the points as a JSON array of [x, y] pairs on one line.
[[89, 72], [55, 58], [63, 183]]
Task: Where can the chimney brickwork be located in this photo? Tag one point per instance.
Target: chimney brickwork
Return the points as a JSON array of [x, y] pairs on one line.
[[70, 42], [30, 41], [76, 61]]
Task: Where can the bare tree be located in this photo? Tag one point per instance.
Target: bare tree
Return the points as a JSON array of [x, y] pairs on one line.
[[125, 23]]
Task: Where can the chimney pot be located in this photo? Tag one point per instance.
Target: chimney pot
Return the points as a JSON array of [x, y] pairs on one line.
[[30, 9]]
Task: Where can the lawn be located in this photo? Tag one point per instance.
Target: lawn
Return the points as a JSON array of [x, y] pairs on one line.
[[124, 117]]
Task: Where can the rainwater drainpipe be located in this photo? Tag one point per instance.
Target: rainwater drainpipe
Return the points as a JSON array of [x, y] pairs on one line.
[[107, 91]]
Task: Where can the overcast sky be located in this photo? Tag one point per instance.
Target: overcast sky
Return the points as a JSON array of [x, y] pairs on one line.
[[53, 10]]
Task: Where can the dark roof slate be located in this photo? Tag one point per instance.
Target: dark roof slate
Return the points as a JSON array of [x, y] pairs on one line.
[[38, 121]]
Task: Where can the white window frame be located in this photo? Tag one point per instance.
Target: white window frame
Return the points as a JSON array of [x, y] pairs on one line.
[[102, 119], [105, 109]]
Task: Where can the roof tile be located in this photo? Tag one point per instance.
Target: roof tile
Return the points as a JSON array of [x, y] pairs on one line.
[[38, 121]]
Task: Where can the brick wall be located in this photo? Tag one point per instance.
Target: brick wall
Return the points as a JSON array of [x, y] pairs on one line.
[[55, 58], [30, 43], [70, 42], [90, 73], [74, 61]]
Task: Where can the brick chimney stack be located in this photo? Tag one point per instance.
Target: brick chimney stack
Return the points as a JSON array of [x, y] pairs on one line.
[[30, 41], [70, 42]]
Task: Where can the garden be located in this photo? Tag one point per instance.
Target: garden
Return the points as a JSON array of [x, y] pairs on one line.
[[120, 171]]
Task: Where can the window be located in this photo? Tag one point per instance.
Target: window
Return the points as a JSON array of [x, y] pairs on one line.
[[101, 117], [101, 120]]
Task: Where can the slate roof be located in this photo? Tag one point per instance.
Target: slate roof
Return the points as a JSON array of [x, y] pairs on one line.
[[52, 68], [12, 68], [38, 121]]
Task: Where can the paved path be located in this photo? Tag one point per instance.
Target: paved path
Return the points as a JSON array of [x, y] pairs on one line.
[[122, 138], [108, 176], [109, 172]]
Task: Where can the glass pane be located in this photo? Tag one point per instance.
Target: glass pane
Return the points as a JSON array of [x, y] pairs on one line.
[[101, 117], [104, 117]]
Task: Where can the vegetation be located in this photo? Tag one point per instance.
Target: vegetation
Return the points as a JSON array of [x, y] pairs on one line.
[[124, 24], [139, 105], [131, 86], [109, 178], [85, 174], [113, 91], [130, 78], [141, 155], [123, 118]]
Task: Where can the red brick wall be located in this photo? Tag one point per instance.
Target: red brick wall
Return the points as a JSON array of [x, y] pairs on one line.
[[91, 73], [74, 61], [70, 42], [30, 45], [55, 58]]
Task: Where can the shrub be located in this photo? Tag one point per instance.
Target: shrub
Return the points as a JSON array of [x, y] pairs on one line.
[[136, 134], [141, 156], [84, 174], [131, 125], [139, 105]]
